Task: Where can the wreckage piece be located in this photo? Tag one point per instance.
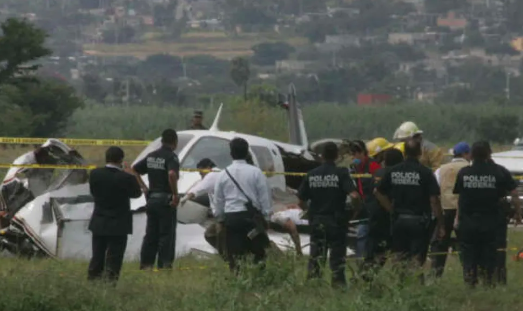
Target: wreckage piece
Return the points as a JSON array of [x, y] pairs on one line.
[[22, 185], [55, 224]]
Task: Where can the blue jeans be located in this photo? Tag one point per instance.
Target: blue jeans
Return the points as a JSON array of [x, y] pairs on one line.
[[361, 242]]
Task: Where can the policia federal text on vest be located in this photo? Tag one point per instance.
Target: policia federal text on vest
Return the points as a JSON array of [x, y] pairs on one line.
[[480, 188], [327, 187], [414, 192], [162, 167]]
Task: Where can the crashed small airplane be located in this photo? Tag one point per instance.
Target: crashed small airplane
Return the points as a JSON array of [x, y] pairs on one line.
[[45, 212], [512, 160]]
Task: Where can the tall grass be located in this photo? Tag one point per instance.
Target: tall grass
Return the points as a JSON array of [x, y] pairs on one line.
[[46, 285], [442, 124]]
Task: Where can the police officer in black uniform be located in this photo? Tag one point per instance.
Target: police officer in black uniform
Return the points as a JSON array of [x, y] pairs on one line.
[[327, 187], [380, 238], [414, 191], [481, 187], [162, 167]]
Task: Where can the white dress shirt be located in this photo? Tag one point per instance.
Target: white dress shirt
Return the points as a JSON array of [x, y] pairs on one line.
[[206, 186], [437, 173], [229, 199]]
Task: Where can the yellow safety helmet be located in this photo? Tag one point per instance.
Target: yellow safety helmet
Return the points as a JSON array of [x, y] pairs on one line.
[[378, 145], [400, 147]]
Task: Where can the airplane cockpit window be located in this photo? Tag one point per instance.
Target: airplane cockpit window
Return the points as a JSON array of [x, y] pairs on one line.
[[216, 149], [264, 157], [183, 140]]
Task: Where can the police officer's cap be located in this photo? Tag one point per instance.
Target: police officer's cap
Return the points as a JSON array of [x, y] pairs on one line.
[[198, 114]]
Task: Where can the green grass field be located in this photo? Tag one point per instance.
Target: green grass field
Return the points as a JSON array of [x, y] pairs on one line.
[[207, 285], [217, 44]]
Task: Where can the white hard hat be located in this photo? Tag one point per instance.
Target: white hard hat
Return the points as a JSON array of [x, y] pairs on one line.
[[407, 129]]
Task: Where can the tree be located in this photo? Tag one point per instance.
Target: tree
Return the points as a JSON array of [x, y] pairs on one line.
[[93, 87], [119, 34], [316, 31], [41, 106], [14, 120], [205, 65], [267, 53], [51, 103], [240, 73], [20, 43], [250, 16], [161, 66]]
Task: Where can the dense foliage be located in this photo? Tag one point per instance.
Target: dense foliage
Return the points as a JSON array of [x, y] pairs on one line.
[[445, 124], [31, 106]]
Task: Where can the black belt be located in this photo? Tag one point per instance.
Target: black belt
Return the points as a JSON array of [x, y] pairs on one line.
[[159, 195]]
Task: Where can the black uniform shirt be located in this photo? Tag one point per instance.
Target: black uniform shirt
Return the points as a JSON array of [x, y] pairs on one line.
[[157, 165], [480, 188], [326, 187], [410, 186]]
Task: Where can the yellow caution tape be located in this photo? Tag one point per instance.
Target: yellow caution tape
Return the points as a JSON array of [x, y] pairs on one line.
[[74, 141], [91, 167], [49, 166]]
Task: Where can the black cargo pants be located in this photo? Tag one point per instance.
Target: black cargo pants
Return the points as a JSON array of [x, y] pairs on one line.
[[477, 235], [327, 233], [409, 237], [160, 234], [378, 244], [410, 240]]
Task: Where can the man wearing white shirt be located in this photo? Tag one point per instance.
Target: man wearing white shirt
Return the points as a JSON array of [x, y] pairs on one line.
[[238, 188], [209, 174], [446, 176]]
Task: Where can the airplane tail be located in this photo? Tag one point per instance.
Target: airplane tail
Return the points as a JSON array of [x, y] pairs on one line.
[[297, 132], [214, 126]]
